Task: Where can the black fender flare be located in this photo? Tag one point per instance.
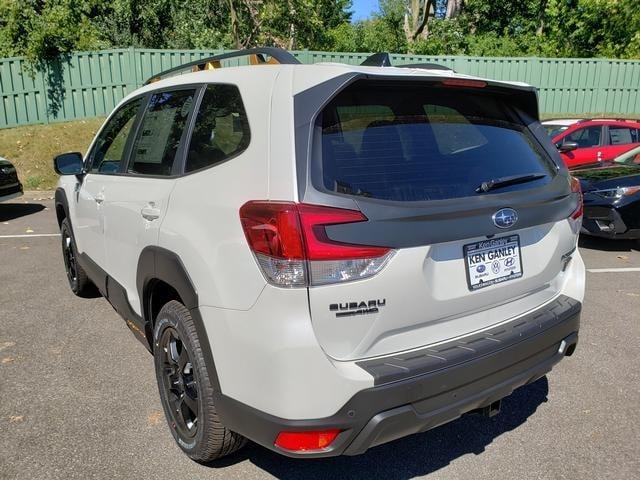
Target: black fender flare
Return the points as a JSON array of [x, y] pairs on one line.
[[157, 263], [60, 199]]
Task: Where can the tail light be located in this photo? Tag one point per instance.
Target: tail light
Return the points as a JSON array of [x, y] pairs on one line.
[[575, 188], [293, 249], [306, 441], [576, 216]]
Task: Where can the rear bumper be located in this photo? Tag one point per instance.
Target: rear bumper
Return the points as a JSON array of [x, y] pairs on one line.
[[429, 395], [10, 191]]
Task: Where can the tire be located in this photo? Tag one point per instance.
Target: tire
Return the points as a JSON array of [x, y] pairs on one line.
[[77, 277], [185, 388]]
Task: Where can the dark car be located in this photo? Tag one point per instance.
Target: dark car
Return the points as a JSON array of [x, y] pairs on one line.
[[612, 197], [10, 186]]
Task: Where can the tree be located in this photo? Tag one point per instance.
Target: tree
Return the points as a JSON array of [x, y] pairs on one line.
[[44, 30], [416, 17], [454, 8]]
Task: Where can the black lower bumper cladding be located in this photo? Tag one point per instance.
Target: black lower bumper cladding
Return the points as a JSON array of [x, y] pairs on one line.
[[429, 394], [610, 222]]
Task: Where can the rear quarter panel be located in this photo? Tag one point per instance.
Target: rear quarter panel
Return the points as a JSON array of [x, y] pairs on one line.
[[202, 224]]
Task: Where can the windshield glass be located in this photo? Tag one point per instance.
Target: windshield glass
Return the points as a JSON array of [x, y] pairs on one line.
[[629, 158], [553, 130], [415, 142]]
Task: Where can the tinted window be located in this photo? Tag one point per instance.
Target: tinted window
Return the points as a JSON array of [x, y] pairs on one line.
[[622, 135], [553, 130], [160, 132], [221, 129], [109, 149], [585, 137], [413, 142]]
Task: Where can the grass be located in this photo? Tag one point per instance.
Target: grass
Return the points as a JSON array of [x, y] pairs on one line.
[[32, 148]]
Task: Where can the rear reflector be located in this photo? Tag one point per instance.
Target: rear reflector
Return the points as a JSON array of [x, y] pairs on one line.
[[306, 441], [292, 247]]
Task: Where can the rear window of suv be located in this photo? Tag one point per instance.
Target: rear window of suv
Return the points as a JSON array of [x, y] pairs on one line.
[[416, 142]]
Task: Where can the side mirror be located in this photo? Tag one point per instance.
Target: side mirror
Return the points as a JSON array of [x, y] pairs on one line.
[[567, 147], [68, 164]]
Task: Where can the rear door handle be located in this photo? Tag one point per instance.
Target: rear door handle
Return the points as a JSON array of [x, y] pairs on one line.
[[99, 198], [150, 212]]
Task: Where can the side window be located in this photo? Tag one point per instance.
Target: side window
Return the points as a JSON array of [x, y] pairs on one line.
[[109, 149], [221, 130], [622, 135], [585, 137], [160, 132]]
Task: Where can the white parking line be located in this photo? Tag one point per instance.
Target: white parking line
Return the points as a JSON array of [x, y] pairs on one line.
[[613, 270], [31, 235]]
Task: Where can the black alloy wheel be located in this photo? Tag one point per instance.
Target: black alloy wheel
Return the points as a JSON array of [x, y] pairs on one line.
[[186, 390], [78, 279], [69, 258], [179, 384]]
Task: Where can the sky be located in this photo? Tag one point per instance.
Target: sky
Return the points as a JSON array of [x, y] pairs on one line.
[[362, 8]]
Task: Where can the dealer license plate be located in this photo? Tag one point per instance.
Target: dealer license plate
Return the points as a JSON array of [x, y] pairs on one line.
[[492, 261]]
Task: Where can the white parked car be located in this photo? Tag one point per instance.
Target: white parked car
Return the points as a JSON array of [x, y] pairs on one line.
[[558, 125], [323, 258]]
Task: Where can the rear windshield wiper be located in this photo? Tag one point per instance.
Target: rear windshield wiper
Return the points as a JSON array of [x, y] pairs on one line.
[[506, 181]]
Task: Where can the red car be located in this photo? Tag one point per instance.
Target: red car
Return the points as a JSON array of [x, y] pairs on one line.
[[592, 141]]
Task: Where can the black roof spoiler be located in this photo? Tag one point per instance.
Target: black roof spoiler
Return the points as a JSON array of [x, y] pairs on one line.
[[383, 59]]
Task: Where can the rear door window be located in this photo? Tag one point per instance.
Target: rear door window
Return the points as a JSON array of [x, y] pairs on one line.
[[622, 135], [160, 133], [416, 142]]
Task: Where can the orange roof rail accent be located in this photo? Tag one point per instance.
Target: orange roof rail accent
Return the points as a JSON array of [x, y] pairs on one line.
[[257, 56]]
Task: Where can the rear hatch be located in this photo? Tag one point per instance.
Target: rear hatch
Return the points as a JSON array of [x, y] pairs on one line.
[[459, 181]]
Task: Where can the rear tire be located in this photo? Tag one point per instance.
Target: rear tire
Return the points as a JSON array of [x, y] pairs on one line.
[[77, 277], [185, 388]]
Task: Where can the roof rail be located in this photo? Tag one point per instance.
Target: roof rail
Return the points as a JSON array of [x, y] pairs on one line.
[[606, 119], [256, 57], [383, 59]]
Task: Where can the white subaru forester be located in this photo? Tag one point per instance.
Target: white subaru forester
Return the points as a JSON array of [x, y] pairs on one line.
[[323, 258]]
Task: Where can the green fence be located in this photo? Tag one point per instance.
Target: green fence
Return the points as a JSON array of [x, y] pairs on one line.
[[89, 84]]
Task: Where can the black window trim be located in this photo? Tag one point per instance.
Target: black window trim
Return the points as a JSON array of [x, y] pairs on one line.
[[178, 169], [604, 133]]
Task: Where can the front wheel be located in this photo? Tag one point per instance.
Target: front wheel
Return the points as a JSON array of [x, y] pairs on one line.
[[185, 388]]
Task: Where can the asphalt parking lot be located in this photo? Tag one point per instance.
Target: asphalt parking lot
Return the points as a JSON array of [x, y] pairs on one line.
[[78, 397]]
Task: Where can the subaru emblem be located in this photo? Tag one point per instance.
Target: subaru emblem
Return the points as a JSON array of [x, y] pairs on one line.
[[505, 218]]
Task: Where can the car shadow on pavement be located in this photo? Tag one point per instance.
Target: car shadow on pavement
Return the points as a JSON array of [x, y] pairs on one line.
[[11, 211], [605, 244], [413, 456]]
